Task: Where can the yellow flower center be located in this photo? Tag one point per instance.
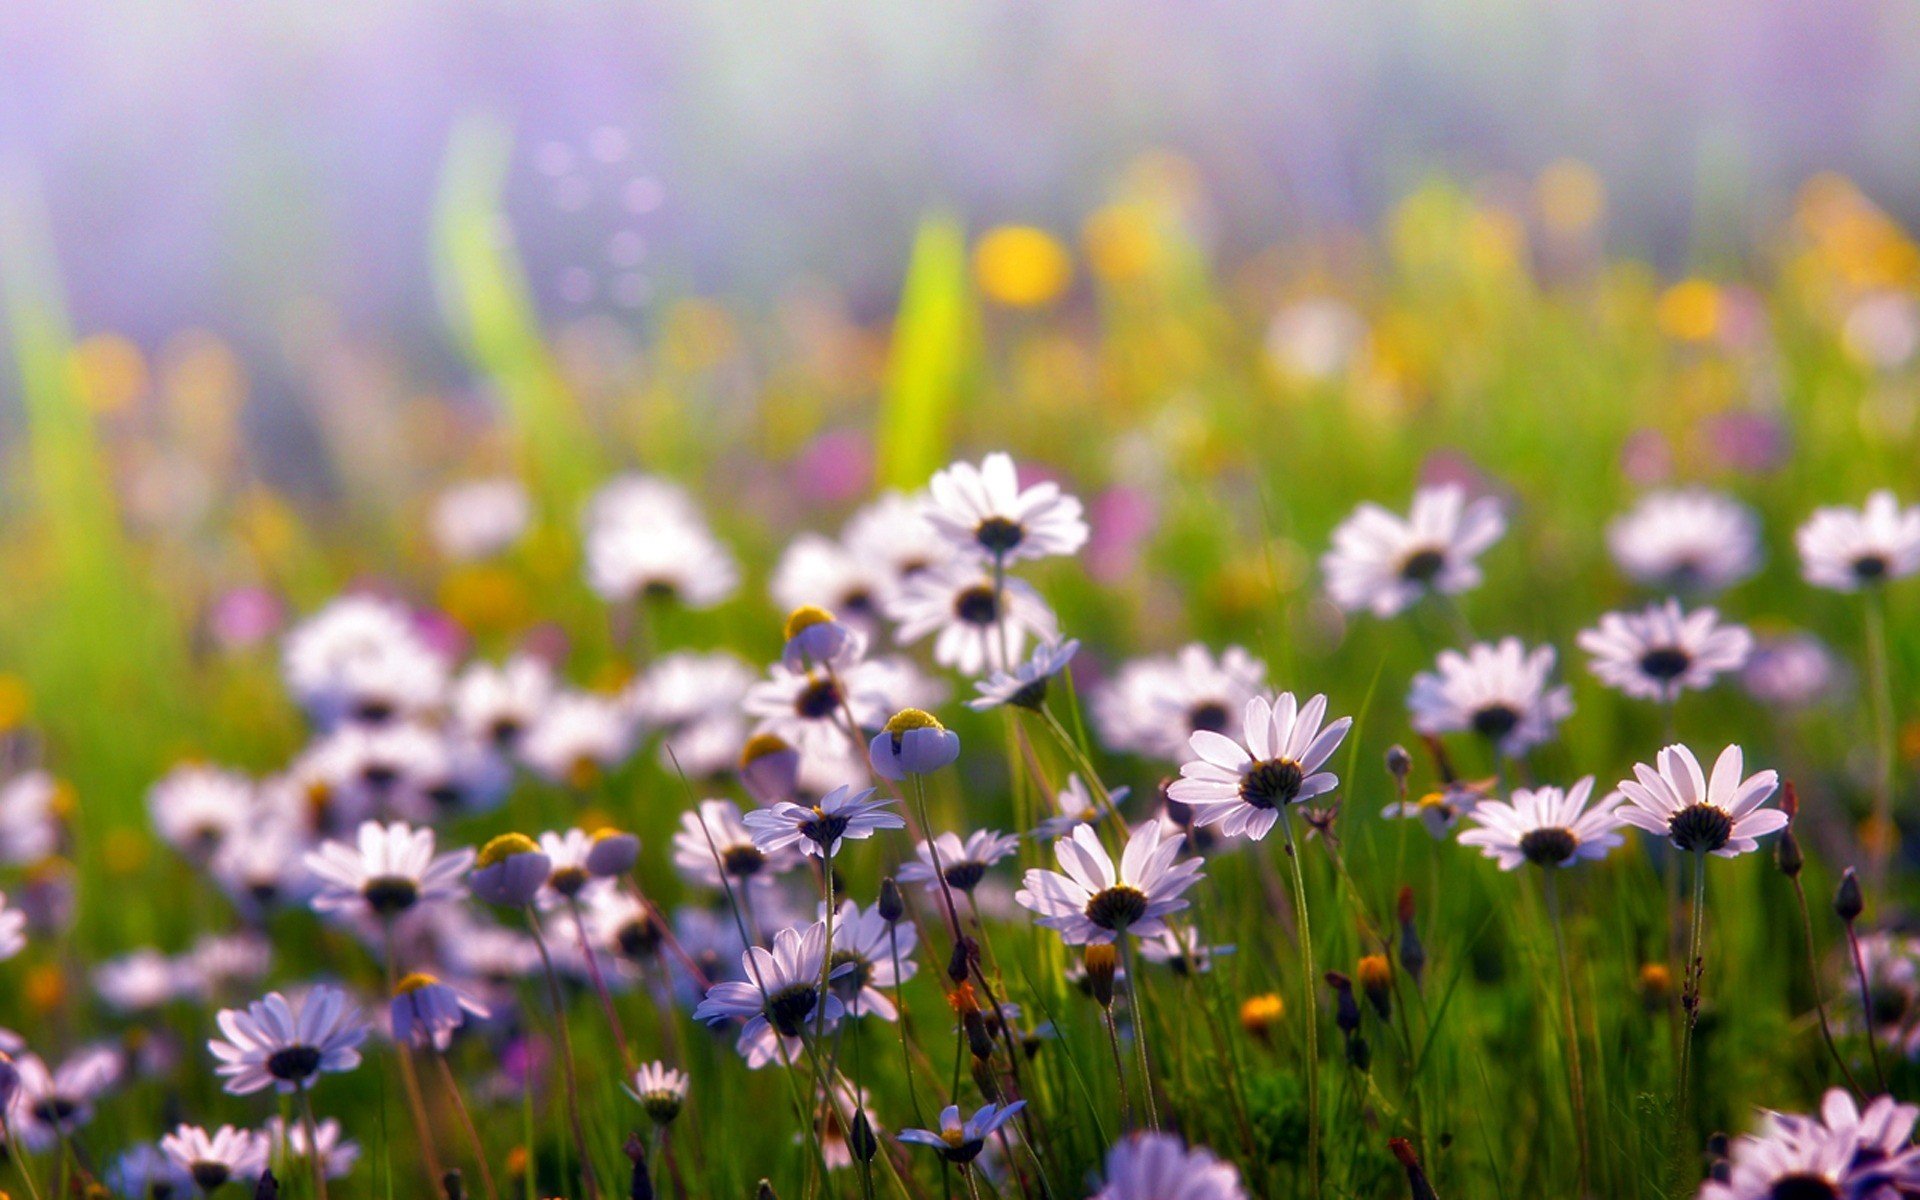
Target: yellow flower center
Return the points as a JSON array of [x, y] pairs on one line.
[[806, 617], [912, 718], [504, 847]]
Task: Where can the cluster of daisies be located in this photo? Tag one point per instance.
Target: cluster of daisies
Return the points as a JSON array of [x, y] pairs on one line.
[[791, 766]]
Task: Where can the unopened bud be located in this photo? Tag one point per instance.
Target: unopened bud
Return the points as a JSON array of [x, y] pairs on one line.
[[1359, 1054], [640, 1181], [1102, 961], [1413, 954], [979, 1039], [1416, 1174], [1787, 855], [987, 1081], [1848, 903], [765, 1191], [1399, 765], [860, 1137], [958, 962], [453, 1186], [1259, 1014], [268, 1187], [1376, 980], [892, 904], [1347, 1010]]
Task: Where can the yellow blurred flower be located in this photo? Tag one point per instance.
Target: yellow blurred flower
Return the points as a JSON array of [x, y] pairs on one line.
[[485, 598], [1570, 196], [16, 701], [109, 372], [1021, 266], [1121, 242], [46, 988], [1689, 310]]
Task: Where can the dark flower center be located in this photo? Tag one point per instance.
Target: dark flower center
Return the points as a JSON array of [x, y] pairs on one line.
[[55, 1110], [1030, 694], [1496, 721], [373, 712], [965, 875], [293, 1063], [504, 731], [379, 775], [998, 534], [1210, 715], [446, 795], [640, 938], [1272, 783], [858, 601], [824, 828], [660, 589], [1870, 566], [848, 985], [790, 1007], [1888, 1004], [976, 605], [964, 1152], [818, 700], [569, 880], [210, 1176], [1665, 662], [389, 894], [743, 860], [1701, 828], [1422, 565], [1803, 1187], [1548, 847], [1117, 907]]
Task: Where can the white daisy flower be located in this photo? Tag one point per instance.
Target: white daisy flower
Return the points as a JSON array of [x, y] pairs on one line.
[[1243, 788], [276, 1043], [1500, 692], [964, 863], [644, 537], [195, 808], [660, 1090], [391, 869], [819, 828], [816, 570], [480, 518], [361, 658], [214, 1159], [262, 864], [958, 1141], [863, 958], [983, 512], [1846, 549], [29, 826], [1793, 670], [1844, 1154], [497, 704], [694, 701], [1154, 704], [1092, 902], [809, 709], [1689, 541], [219, 961], [894, 532], [578, 738], [1545, 826], [1026, 685], [714, 828], [1661, 651], [1158, 1166], [970, 623], [1075, 806], [48, 1105], [1382, 563], [1719, 816], [384, 769], [337, 1154], [141, 981], [781, 991]]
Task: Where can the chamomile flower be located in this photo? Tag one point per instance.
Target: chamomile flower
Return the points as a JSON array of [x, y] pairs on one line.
[[286, 1045], [1661, 651], [1721, 815], [810, 709], [1159, 1166], [781, 991], [195, 807], [1154, 704], [1074, 805], [693, 701], [49, 1104], [261, 864], [983, 512], [819, 828], [960, 1141], [480, 518], [426, 1012], [894, 533], [963, 863], [913, 742], [361, 658], [658, 1089], [214, 1159], [1383, 563], [1243, 788], [497, 704], [1094, 902], [863, 960], [1026, 685], [391, 869], [1845, 1153], [1688, 541], [1501, 692], [337, 1154], [1545, 826], [975, 628], [644, 538], [1847, 549], [1438, 810], [818, 570], [578, 738], [713, 829]]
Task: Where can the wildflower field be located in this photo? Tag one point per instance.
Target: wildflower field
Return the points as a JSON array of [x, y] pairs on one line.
[[1423, 710]]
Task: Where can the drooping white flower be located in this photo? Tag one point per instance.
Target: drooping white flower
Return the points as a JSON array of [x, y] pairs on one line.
[[480, 518], [975, 627]]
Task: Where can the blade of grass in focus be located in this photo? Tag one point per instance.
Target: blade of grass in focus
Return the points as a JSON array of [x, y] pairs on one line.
[[933, 353], [486, 303]]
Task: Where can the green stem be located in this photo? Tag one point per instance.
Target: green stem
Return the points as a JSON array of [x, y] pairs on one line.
[[1576, 1079], [1866, 1005], [1881, 683], [1819, 998], [1313, 1003], [1690, 997]]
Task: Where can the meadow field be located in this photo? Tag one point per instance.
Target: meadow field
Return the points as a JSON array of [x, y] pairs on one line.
[[477, 790]]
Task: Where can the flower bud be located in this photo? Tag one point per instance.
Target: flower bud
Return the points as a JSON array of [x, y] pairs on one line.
[[979, 1040], [267, 1187], [1102, 962], [860, 1138], [1260, 1014], [1413, 955], [452, 1185], [892, 905], [1376, 980], [614, 853], [959, 962], [1347, 1010], [509, 871], [640, 1181], [1656, 985], [914, 742], [1848, 903], [1399, 765], [1417, 1181]]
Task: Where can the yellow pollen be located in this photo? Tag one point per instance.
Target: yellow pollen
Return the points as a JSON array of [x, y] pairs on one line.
[[1433, 800], [912, 718], [414, 982], [504, 847], [761, 745], [806, 617]]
